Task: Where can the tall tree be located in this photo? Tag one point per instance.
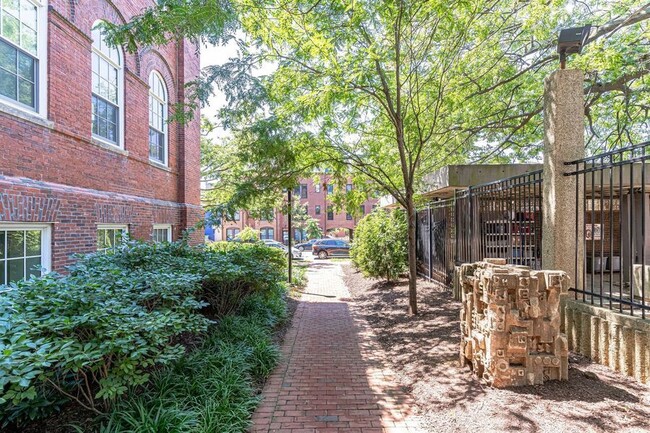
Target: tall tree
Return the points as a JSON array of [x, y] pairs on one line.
[[396, 88]]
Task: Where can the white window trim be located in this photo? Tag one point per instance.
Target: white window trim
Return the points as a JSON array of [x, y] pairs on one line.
[[6, 104], [165, 117], [167, 227], [120, 96], [124, 227], [46, 240]]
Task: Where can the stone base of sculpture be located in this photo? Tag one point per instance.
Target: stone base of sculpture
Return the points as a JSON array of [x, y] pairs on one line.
[[510, 323]]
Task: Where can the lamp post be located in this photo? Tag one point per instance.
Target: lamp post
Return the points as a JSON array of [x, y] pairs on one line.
[[290, 256], [571, 41]]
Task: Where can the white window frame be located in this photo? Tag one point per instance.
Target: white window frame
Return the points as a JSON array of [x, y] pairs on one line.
[[7, 104], [46, 240], [167, 227], [165, 114], [120, 95], [124, 227]]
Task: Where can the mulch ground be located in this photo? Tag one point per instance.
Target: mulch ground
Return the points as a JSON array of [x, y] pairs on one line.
[[423, 350]]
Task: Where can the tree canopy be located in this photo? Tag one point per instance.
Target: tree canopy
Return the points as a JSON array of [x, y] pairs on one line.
[[387, 91]]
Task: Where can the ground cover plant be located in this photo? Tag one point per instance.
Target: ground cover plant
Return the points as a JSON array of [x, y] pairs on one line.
[[116, 321]]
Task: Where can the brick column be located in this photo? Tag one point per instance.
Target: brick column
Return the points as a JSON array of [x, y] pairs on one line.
[[563, 141]]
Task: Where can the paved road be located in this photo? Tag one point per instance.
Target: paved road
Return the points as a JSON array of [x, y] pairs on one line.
[[331, 378]]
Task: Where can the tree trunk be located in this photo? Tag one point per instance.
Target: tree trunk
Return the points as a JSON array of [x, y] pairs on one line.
[[413, 272]]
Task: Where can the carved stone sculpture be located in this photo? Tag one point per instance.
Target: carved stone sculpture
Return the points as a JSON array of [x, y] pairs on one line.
[[510, 323]]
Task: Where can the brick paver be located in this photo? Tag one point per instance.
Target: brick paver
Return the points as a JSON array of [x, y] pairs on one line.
[[331, 378]]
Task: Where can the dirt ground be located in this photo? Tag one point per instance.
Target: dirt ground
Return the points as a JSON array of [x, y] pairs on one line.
[[423, 350]]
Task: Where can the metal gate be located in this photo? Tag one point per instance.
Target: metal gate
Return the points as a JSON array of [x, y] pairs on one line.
[[500, 219]]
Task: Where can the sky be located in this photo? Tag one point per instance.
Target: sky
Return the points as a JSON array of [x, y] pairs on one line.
[[216, 55]]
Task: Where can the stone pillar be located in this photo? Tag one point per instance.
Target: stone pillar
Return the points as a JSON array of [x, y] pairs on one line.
[[563, 142]]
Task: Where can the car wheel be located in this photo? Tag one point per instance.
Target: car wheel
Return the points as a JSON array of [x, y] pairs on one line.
[[301, 249], [322, 254]]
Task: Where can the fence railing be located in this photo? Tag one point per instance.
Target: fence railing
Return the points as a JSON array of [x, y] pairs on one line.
[[611, 200], [500, 219]]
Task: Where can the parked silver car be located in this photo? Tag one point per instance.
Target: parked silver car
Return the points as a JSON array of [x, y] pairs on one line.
[[295, 253]]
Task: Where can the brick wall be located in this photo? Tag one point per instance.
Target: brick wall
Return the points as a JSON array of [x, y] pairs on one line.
[[314, 198], [54, 161]]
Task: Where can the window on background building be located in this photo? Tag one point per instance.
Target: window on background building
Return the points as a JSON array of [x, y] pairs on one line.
[[107, 84], [348, 187], [330, 188], [162, 233], [237, 216], [317, 209], [300, 190], [317, 186], [25, 250], [267, 233], [330, 213], [299, 235], [231, 233], [362, 209], [157, 119], [22, 52], [109, 236], [348, 216]]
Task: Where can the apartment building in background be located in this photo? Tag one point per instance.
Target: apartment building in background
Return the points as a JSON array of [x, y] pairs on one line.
[[86, 152], [314, 197]]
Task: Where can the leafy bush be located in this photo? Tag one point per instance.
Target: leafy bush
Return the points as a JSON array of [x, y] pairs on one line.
[[95, 333], [211, 389], [249, 234], [379, 248]]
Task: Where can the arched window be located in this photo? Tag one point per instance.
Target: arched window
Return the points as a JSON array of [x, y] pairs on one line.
[[157, 119], [107, 91], [267, 233]]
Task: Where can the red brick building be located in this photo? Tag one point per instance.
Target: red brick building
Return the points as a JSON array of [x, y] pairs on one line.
[[85, 149], [312, 195]]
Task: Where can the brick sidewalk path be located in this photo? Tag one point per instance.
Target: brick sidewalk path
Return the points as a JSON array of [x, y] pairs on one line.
[[331, 378]]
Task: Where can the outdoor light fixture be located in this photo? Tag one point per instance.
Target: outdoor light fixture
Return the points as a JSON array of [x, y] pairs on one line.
[[571, 41]]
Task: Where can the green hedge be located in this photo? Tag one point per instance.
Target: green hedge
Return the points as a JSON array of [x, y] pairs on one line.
[[97, 332], [379, 248]]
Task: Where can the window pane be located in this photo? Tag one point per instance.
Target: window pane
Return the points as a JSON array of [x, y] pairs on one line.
[[28, 14], [11, 28], [2, 245], [111, 132], [101, 239], [26, 92], [15, 270], [33, 267], [33, 243], [28, 40], [8, 57], [11, 6], [8, 85], [2, 272], [15, 244], [26, 67]]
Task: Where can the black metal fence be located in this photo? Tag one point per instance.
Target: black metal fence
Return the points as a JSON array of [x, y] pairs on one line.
[[436, 241], [611, 264], [500, 219]]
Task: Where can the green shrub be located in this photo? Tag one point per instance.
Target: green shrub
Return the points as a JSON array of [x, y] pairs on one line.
[[249, 234], [97, 332], [379, 248]]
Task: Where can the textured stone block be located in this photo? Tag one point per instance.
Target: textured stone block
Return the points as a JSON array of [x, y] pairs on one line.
[[510, 323]]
